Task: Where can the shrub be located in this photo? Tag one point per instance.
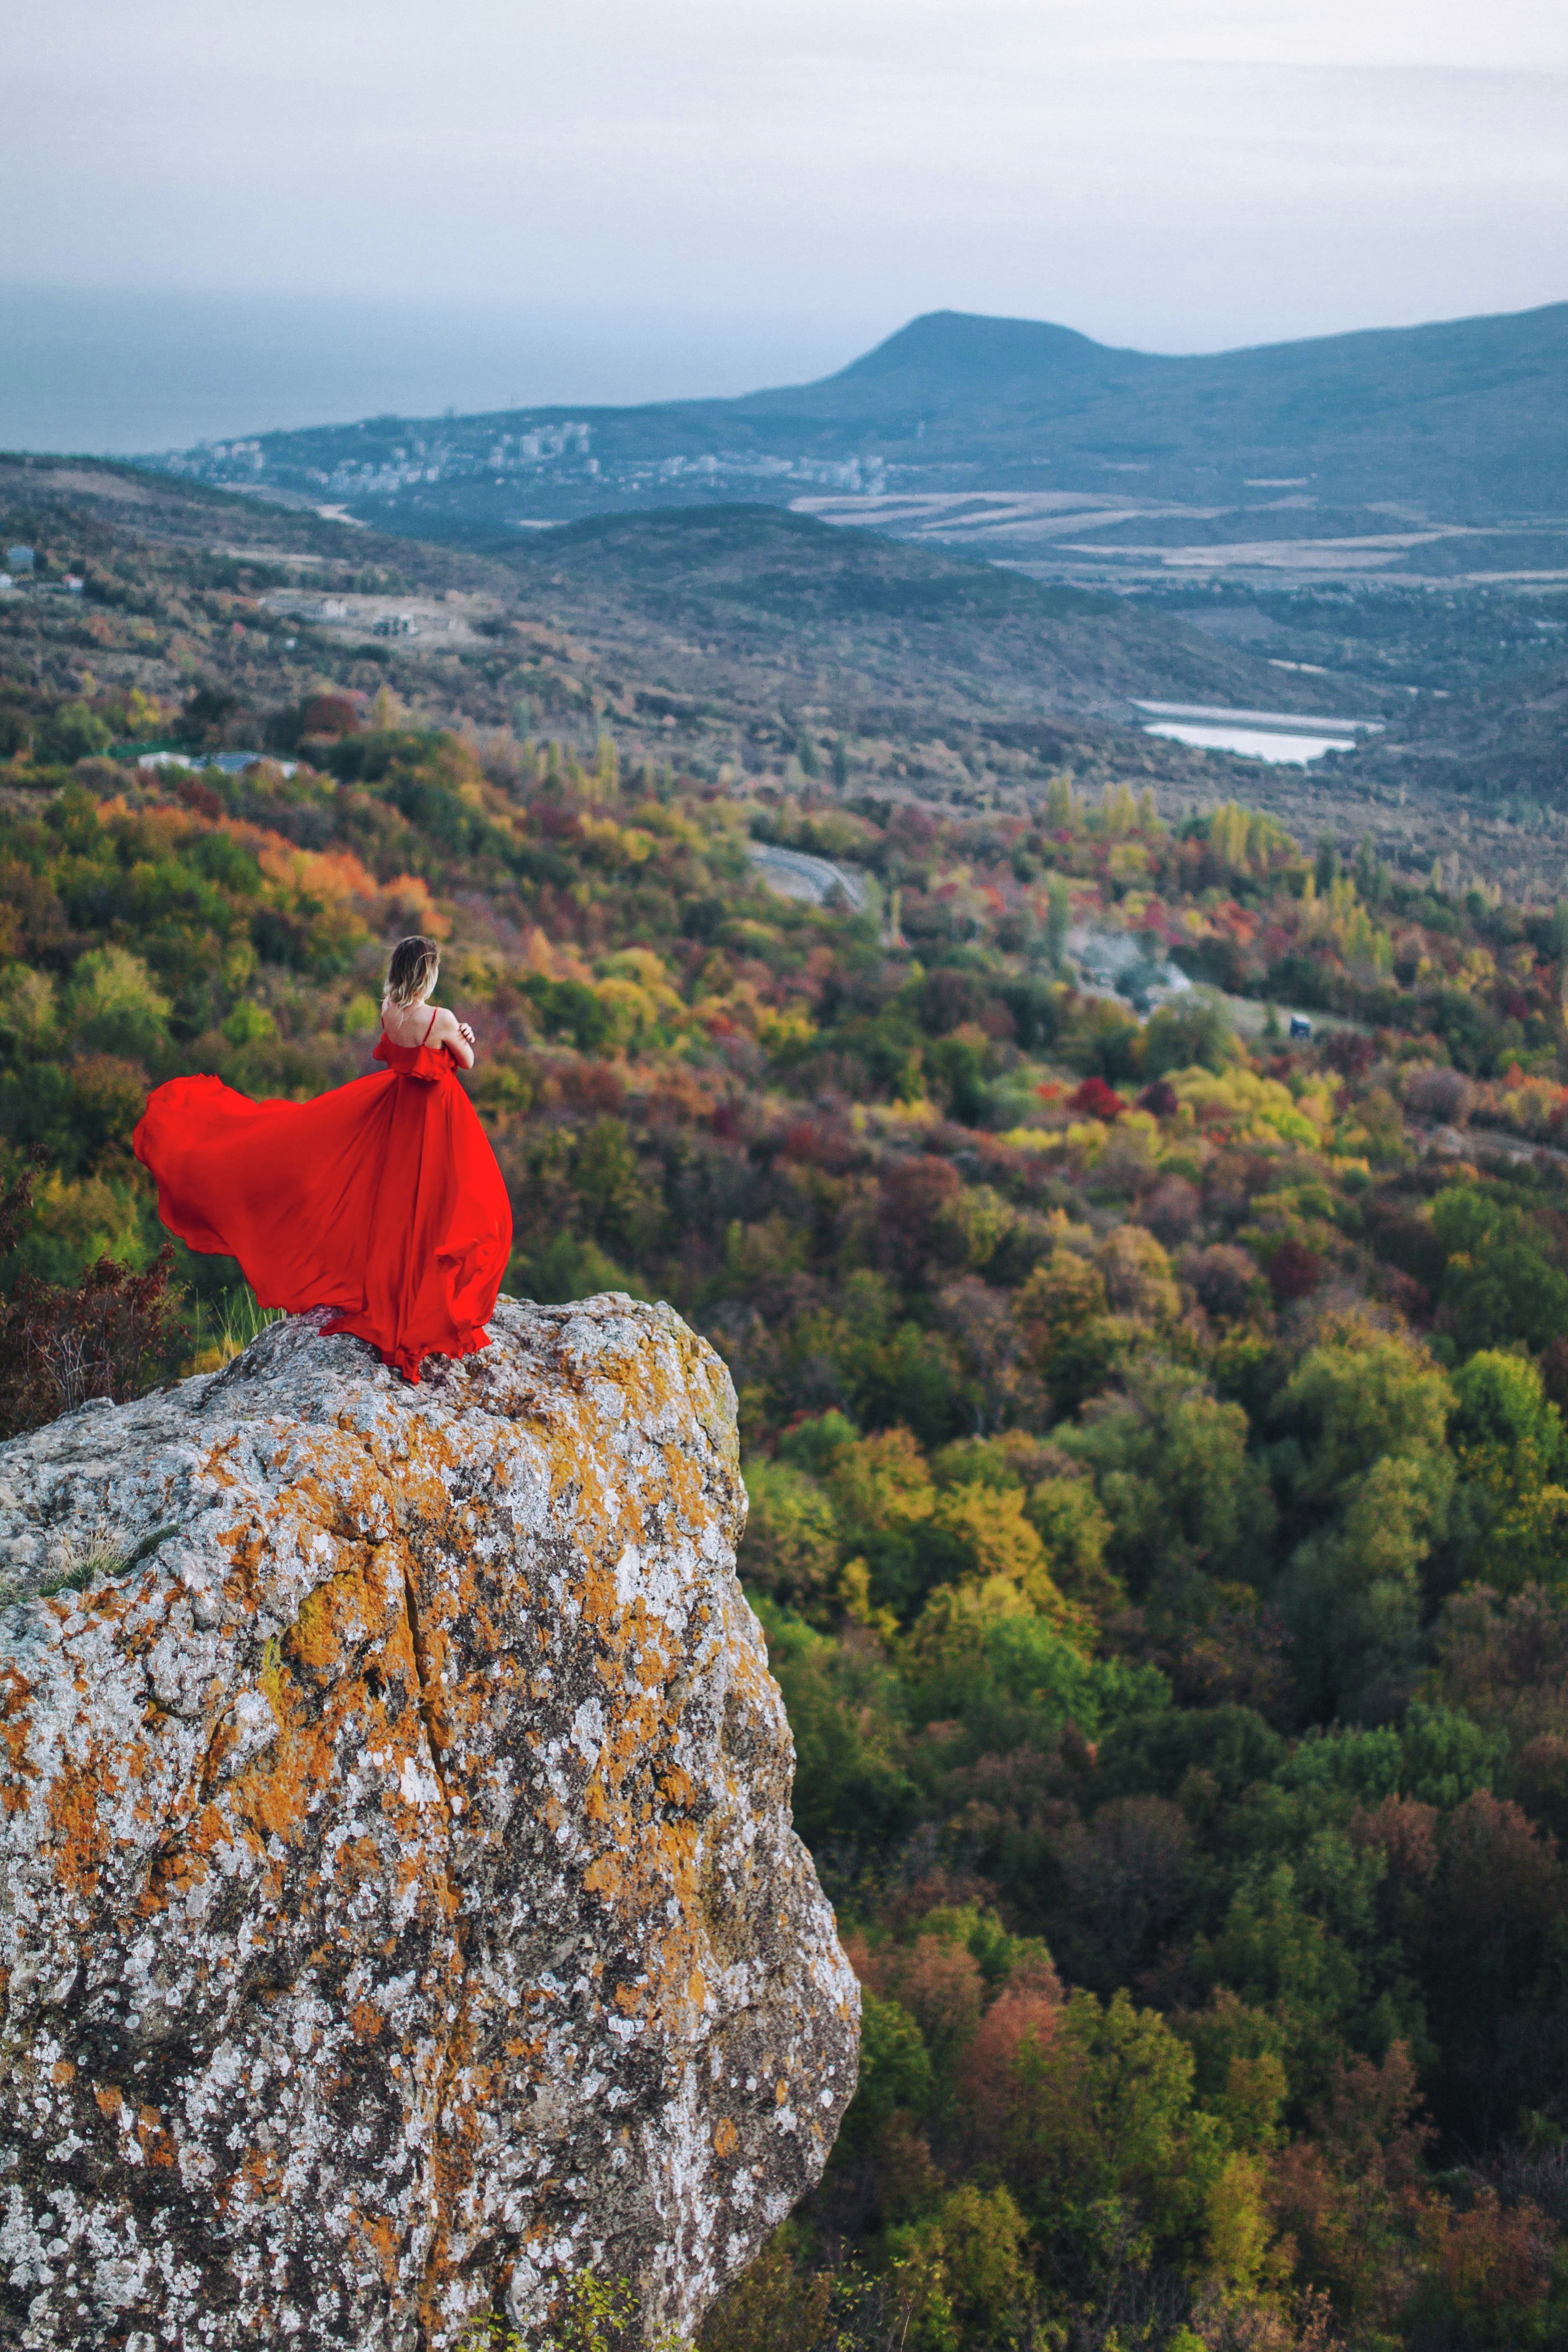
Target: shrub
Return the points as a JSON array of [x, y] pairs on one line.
[[61, 1345]]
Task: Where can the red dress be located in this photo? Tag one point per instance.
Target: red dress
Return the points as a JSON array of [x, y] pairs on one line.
[[380, 1200]]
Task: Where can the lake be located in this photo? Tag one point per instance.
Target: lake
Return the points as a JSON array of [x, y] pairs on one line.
[[1251, 742], [1288, 737]]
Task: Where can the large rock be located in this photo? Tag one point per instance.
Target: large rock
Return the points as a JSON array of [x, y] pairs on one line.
[[400, 1909]]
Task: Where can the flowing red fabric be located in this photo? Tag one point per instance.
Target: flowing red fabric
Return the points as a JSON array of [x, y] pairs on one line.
[[380, 1200]]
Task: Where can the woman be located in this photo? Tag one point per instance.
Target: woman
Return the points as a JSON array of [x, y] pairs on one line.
[[381, 1201]]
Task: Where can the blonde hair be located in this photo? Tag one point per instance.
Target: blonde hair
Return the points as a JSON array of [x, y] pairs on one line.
[[412, 970]]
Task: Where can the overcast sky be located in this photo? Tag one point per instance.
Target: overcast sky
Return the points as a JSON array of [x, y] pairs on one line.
[[1181, 174]]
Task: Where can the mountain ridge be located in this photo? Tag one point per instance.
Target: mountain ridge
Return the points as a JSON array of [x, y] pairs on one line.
[[924, 326], [1436, 451]]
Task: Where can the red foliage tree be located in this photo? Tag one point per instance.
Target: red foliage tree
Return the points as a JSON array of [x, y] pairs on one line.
[[913, 1196], [1095, 1099], [1294, 1271], [329, 714]]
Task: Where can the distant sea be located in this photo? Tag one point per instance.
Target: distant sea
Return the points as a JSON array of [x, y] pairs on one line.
[[125, 375]]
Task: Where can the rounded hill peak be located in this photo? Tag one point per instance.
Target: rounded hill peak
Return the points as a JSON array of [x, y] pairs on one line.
[[961, 349]]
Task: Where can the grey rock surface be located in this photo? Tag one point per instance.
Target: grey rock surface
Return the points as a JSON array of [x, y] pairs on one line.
[[399, 1908]]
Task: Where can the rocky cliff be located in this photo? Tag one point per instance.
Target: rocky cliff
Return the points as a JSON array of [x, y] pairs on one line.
[[399, 1907]]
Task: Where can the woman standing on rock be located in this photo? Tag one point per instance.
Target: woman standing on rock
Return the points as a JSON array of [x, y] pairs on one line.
[[381, 1201]]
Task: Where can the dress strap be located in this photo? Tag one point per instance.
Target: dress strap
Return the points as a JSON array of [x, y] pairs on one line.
[[425, 1039]]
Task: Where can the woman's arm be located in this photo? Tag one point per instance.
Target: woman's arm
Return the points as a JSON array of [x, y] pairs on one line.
[[455, 1035]]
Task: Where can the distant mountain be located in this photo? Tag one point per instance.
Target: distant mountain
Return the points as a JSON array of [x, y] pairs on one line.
[[1477, 389], [951, 365], [1419, 452]]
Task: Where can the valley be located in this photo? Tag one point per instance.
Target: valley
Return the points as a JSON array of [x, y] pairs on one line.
[[747, 642]]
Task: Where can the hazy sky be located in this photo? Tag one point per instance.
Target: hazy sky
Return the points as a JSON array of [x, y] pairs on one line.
[[1164, 172]]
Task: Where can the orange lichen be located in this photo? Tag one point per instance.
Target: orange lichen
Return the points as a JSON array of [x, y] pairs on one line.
[[156, 2142], [15, 1691], [75, 1817], [382, 2235], [357, 1858], [332, 1621]]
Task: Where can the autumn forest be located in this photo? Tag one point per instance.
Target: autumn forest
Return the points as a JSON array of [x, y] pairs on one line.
[[1152, 1420]]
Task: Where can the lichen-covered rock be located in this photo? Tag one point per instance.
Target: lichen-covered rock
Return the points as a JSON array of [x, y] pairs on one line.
[[399, 1908]]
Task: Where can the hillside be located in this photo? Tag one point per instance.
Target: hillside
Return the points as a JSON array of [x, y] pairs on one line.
[[1154, 1446], [1503, 740], [1483, 395], [861, 621], [1153, 1432], [1437, 451], [712, 631]]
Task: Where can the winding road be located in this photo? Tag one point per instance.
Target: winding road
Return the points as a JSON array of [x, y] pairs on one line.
[[816, 879]]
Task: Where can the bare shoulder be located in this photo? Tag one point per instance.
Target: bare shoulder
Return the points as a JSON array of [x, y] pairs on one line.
[[449, 1031]]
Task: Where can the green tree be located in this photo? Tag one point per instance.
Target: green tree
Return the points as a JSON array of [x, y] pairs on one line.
[[1069, 1336], [791, 1544], [1351, 1593], [847, 1713], [966, 2274], [113, 1005], [1498, 1283], [1359, 1394], [72, 732], [608, 1180], [1172, 1472], [895, 2070], [1370, 1410], [1189, 1034], [1099, 2140], [1510, 1508]]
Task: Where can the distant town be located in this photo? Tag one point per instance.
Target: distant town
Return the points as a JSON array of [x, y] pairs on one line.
[[471, 453]]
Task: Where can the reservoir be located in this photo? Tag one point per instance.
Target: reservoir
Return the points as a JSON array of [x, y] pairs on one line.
[[1288, 737]]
